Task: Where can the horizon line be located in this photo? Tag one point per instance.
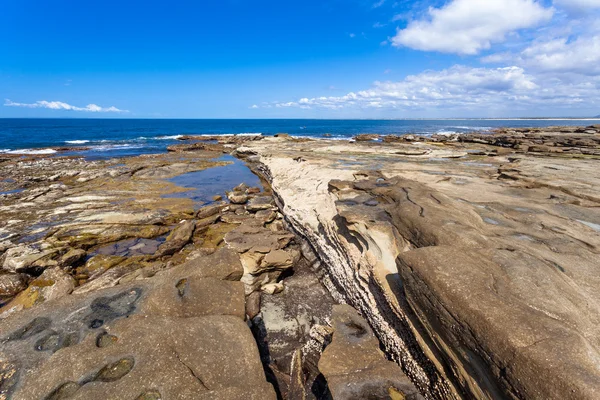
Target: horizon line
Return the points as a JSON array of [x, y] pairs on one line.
[[597, 118]]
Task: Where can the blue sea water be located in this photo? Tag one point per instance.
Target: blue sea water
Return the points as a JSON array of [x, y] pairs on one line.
[[123, 137]]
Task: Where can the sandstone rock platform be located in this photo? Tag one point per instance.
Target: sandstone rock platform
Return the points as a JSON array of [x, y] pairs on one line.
[[474, 258]]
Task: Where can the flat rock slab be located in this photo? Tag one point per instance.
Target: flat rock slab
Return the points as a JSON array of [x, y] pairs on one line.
[[180, 334]]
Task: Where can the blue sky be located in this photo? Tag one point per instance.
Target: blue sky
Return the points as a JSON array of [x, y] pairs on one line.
[[309, 59]]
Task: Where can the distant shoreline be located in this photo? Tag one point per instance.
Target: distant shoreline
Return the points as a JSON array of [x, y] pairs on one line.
[[306, 119]]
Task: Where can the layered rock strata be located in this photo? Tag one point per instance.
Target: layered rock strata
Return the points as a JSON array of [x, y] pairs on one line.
[[474, 266]]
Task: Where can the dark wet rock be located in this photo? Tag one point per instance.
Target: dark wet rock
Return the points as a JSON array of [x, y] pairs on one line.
[[178, 148], [355, 367], [72, 258], [366, 137]]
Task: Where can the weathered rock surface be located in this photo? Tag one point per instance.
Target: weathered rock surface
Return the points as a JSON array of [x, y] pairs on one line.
[[287, 331], [473, 261], [180, 335], [355, 367]]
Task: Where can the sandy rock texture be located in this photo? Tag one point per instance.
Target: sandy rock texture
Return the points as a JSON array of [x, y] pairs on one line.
[[178, 335], [473, 258], [114, 284]]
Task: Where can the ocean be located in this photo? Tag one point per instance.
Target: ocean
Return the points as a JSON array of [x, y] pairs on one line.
[[106, 138]]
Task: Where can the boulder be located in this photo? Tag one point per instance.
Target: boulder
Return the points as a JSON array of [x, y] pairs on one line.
[[237, 197], [209, 211], [24, 257], [260, 203], [179, 237], [53, 284], [12, 284]]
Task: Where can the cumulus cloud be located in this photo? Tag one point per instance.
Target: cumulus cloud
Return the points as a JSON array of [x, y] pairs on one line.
[[462, 88], [59, 105], [470, 26], [581, 55]]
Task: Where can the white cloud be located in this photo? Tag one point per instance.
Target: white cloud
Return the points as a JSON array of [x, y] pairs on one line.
[[254, 107], [378, 3], [464, 88], [469, 26], [581, 55], [59, 105]]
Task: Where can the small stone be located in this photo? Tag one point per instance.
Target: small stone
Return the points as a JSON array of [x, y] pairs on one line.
[[279, 259], [179, 237], [273, 288], [217, 198], [253, 305], [237, 198]]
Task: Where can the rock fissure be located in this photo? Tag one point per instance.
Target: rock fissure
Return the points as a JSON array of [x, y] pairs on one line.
[[190, 369]]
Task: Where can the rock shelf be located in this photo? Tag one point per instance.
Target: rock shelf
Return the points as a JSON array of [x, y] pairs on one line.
[[474, 258], [113, 285], [397, 267]]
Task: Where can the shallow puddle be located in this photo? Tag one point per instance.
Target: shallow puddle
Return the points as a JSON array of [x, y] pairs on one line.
[[11, 191], [204, 185], [595, 227], [130, 247]]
